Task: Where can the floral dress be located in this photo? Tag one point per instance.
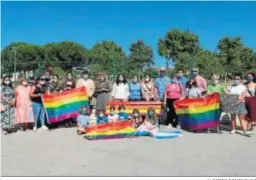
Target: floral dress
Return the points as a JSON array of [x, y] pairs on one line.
[[8, 113]]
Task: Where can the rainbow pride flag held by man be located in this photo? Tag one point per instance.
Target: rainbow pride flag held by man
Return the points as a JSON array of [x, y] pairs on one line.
[[198, 113], [122, 129], [64, 105]]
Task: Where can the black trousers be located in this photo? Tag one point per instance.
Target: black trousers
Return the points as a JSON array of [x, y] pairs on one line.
[[171, 115]]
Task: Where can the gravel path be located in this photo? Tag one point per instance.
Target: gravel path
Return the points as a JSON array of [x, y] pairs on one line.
[[61, 152]]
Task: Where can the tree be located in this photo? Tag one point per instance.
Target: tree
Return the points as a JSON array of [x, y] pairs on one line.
[[152, 72], [230, 53], [66, 54], [176, 43], [208, 62], [28, 56], [141, 56], [110, 55]]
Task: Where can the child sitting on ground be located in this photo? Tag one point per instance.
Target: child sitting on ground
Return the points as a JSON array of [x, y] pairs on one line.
[[102, 118], [152, 116], [136, 118], [83, 120], [122, 115], [112, 117]]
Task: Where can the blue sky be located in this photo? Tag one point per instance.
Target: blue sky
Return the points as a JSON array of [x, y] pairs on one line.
[[126, 22]]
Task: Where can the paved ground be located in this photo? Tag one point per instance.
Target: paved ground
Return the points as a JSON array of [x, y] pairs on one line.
[[62, 153]]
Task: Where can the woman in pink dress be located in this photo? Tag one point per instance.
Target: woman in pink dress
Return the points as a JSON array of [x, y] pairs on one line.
[[24, 113]]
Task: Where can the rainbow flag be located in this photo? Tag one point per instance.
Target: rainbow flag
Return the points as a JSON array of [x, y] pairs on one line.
[[198, 113], [142, 106], [120, 129], [64, 105]]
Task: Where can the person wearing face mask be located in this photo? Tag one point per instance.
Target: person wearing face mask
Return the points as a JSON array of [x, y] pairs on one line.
[[200, 81], [31, 78], [37, 104], [148, 89], [47, 78], [120, 91], [112, 117], [54, 85], [192, 90], [136, 118], [102, 92], [24, 113], [102, 118], [173, 92], [7, 104], [69, 83], [83, 120], [250, 100], [151, 117], [215, 86], [238, 104], [122, 115], [135, 89], [182, 79], [161, 82], [86, 82]]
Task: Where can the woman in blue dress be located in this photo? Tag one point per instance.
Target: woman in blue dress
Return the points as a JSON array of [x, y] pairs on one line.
[[135, 89]]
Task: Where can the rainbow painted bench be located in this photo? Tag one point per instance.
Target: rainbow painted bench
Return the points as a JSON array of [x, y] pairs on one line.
[[142, 106]]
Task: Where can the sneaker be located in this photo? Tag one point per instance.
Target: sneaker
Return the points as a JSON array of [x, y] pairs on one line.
[[178, 127], [169, 126], [34, 129], [246, 133], [233, 131], [219, 132], [44, 128]]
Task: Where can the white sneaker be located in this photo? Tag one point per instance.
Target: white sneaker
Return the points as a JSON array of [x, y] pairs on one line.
[[233, 131], [34, 129], [246, 133], [44, 128]]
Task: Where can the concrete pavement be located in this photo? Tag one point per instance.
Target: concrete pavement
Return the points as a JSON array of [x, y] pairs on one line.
[[61, 152]]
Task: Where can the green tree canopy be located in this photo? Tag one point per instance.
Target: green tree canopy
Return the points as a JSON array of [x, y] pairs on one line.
[[141, 55], [67, 54], [177, 42], [110, 55], [28, 56]]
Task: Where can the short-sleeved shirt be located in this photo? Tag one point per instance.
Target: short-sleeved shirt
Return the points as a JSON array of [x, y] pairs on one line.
[[236, 90], [83, 120], [160, 85], [112, 118], [193, 92], [123, 116], [218, 88], [101, 120]]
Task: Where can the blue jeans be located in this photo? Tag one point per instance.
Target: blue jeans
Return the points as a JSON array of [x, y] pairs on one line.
[[38, 111]]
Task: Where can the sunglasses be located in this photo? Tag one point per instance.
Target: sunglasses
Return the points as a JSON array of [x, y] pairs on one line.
[[237, 79], [42, 79], [194, 71]]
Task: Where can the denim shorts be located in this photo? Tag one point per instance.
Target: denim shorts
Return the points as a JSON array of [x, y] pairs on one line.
[[241, 109]]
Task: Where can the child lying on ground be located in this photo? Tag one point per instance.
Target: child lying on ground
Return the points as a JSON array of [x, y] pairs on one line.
[[83, 120]]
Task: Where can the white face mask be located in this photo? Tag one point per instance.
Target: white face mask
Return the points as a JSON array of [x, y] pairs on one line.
[[215, 82], [25, 83], [85, 77], [7, 82]]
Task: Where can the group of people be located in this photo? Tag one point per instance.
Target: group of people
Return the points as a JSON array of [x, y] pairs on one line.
[[23, 105]]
